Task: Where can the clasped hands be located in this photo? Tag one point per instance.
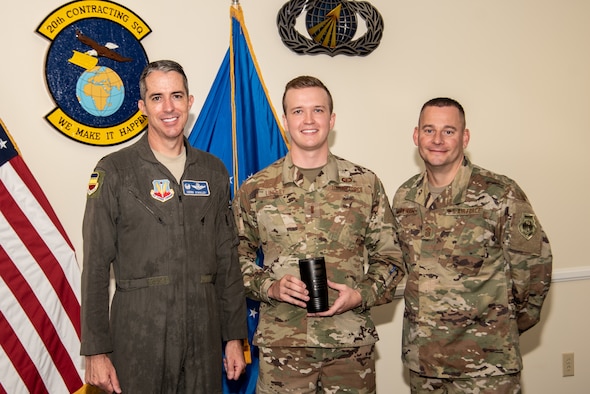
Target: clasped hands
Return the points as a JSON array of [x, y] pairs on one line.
[[293, 290]]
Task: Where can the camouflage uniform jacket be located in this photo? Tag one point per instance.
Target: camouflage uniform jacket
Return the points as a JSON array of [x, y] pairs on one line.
[[344, 211], [479, 268]]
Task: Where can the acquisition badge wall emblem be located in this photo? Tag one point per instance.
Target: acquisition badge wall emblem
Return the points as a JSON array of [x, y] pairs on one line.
[[331, 27], [92, 69]]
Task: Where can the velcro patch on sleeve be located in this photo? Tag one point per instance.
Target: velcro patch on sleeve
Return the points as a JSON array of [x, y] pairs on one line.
[[526, 231]]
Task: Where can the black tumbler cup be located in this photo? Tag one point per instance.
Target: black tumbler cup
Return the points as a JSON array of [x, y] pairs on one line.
[[313, 273]]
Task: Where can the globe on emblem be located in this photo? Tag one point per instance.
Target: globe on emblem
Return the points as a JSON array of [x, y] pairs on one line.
[[342, 31], [100, 91]]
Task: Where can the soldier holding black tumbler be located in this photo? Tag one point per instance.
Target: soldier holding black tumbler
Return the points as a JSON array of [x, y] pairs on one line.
[[314, 215]]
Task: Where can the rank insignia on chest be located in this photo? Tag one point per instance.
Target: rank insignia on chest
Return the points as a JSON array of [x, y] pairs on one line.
[[161, 190], [195, 188]]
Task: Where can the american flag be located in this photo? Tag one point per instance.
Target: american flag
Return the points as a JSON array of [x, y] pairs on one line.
[[39, 286]]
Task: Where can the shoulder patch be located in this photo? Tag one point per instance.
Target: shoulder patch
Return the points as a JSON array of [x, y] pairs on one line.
[[527, 227], [526, 233], [94, 182]]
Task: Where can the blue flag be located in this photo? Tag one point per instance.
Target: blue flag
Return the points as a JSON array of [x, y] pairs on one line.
[[239, 125]]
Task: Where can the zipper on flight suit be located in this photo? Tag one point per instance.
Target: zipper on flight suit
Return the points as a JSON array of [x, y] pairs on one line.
[[143, 204]]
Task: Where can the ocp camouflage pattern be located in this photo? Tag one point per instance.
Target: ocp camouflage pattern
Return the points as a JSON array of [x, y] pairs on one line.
[[344, 216], [479, 268]]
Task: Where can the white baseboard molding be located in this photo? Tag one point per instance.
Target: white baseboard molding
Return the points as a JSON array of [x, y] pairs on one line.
[[570, 274], [560, 275]]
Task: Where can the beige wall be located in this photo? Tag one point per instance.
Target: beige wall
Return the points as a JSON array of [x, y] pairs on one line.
[[521, 69]]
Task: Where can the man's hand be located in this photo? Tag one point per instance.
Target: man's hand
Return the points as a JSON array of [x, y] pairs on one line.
[[100, 372], [234, 361], [289, 289], [348, 298]]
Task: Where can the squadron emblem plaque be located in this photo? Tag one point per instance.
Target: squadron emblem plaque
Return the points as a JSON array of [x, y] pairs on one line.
[[92, 70]]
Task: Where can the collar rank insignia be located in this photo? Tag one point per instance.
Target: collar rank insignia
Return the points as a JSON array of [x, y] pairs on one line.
[[162, 191], [195, 188]]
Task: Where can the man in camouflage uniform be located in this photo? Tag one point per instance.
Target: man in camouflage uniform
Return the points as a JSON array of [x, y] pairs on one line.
[[313, 204], [478, 264]]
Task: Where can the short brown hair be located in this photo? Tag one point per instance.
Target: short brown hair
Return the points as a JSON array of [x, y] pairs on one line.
[[444, 102], [160, 65], [306, 81]]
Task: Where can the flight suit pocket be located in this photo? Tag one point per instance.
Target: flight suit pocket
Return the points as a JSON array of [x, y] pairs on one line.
[[146, 207]]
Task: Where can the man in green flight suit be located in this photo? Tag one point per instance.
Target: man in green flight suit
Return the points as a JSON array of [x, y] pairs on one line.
[[158, 213]]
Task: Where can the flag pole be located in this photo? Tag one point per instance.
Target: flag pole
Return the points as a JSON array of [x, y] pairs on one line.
[[235, 164]]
